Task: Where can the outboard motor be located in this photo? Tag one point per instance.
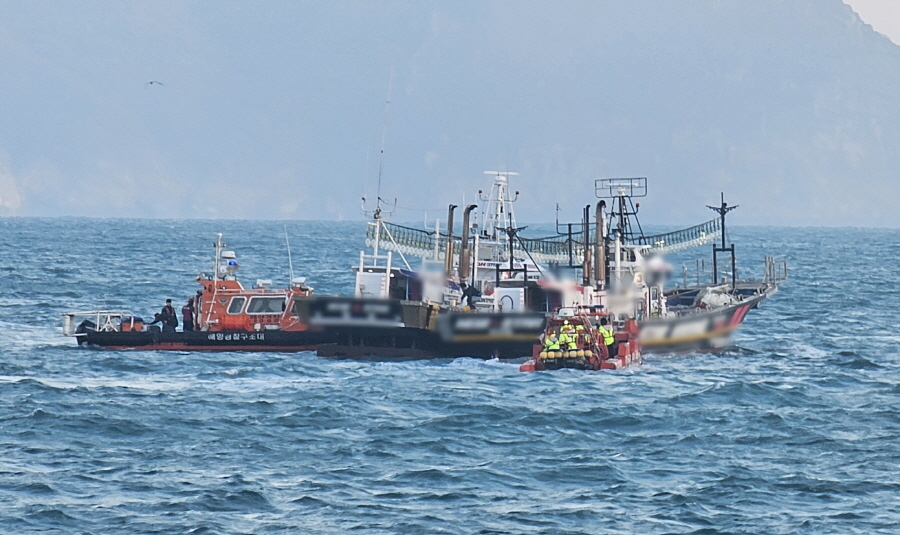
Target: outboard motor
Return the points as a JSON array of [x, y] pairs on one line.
[[86, 326]]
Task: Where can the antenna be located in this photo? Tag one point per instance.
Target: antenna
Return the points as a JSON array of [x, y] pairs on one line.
[[387, 108], [290, 262], [558, 231], [622, 208], [376, 214], [497, 206], [437, 235]]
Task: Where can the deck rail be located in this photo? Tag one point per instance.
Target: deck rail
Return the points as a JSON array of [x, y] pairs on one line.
[[559, 248], [679, 240], [103, 320]]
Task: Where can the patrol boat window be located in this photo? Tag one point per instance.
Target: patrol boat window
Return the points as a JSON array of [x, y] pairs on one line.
[[266, 305], [236, 305]]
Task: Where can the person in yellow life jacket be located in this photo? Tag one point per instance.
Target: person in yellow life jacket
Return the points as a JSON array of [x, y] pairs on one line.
[[609, 338], [551, 342], [570, 341], [563, 338], [582, 336]]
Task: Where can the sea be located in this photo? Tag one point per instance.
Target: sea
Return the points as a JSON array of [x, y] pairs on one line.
[[795, 428]]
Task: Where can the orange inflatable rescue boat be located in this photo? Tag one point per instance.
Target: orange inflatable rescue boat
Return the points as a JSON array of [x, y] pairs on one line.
[[576, 340]]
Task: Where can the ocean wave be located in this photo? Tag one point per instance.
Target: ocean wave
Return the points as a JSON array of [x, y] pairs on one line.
[[791, 429]]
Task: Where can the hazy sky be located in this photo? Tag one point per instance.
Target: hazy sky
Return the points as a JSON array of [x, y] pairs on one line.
[[276, 109]]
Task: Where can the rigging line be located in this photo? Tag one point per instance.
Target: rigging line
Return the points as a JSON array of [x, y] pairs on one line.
[[538, 266], [514, 233], [398, 250]]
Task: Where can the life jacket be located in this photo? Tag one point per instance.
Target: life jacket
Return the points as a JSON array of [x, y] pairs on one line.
[[568, 341], [607, 332], [551, 343]]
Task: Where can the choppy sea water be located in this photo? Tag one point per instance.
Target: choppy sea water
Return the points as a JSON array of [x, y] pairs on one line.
[[796, 429]]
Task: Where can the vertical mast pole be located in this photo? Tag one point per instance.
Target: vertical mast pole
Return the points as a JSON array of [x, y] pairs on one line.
[[722, 211], [466, 253], [448, 251], [600, 267], [618, 262], [219, 246], [377, 213], [377, 217], [290, 261], [586, 261], [437, 239]]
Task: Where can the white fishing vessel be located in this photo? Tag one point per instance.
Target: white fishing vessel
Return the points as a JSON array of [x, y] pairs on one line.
[[603, 263]]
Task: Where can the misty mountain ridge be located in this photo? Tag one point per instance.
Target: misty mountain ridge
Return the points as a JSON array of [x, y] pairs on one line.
[[277, 110]]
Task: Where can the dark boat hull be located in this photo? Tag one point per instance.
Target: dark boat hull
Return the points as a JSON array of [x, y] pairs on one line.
[[398, 343], [393, 329], [709, 330], [280, 341], [505, 336], [408, 343], [703, 331]]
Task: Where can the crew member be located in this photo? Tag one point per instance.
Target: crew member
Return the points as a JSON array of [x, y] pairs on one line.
[[187, 315], [582, 336], [551, 343], [198, 308], [168, 317], [470, 293], [609, 338], [573, 339], [567, 339]]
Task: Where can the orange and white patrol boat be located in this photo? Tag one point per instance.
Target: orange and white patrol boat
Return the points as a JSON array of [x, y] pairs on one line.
[[228, 316], [572, 339]]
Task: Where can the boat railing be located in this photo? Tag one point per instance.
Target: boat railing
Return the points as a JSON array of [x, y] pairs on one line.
[[561, 248], [776, 270], [103, 321], [407, 240], [420, 242], [698, 275], [557, 248], [679, 240], [370, 262]]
